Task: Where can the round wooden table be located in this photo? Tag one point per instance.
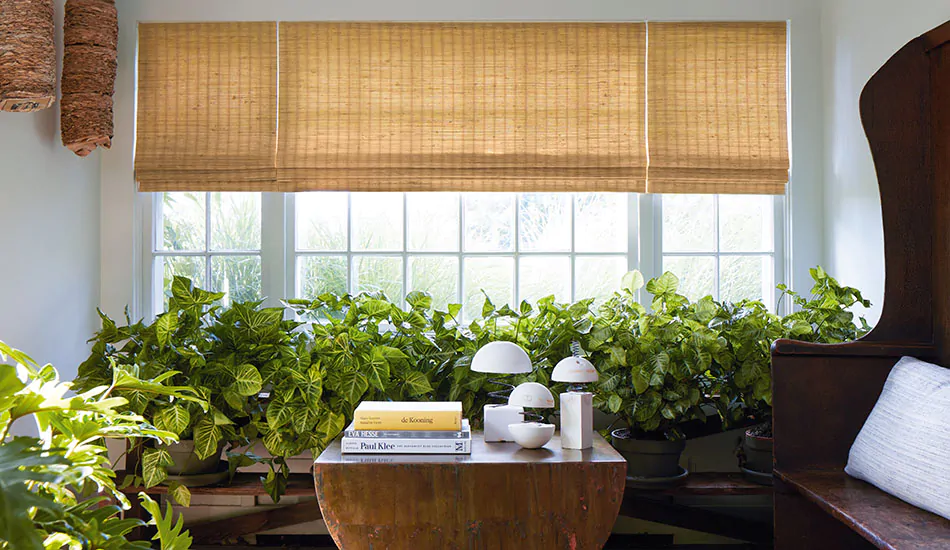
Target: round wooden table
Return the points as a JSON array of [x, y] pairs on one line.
[[500, 497]]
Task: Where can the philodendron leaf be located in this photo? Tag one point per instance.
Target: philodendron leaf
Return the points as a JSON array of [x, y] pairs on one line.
[[417, 383], [419, 300], [207, 436], [154, 462], [646, 406], [275, 484], [174, 419], [180, 493], [614, 403], [632, 281], [664, 284], [170, 536], [331, 424], [661, 362], [279, 412], [247, 380], [165, 328], [352, 386], [377, 369], [641, 379]]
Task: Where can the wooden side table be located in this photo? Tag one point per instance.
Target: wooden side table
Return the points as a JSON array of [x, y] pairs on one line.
[[500, 497]]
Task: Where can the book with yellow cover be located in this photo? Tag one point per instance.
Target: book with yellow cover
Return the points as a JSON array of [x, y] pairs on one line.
[[408, 415]]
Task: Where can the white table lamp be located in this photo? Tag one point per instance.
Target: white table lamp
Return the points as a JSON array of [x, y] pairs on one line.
[[533, 433], [577, 405], [501, 358]]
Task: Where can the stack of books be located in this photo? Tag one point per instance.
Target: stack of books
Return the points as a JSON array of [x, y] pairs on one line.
[[397, 427]]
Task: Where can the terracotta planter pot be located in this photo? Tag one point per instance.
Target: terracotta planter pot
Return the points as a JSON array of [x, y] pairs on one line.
[[186, 462], [758, 453], [648, 458]]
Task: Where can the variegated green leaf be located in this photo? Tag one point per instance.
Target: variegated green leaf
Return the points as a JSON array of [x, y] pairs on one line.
[[174, 418], [207, 437]]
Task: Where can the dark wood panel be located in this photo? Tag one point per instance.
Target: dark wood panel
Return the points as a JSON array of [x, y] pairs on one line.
[[860, 348], [799, 525], [938, 37], [895, 112], [820, 404], [709, 484], [823, 394], [885, 521]]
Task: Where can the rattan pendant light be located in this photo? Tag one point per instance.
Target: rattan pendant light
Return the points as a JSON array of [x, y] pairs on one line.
[[27, 55], [90, 36]]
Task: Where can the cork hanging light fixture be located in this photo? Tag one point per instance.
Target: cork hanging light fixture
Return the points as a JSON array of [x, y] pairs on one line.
[[90, 37], [27, 55]]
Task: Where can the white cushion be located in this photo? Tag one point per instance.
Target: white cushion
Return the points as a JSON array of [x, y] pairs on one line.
[[904, 447]]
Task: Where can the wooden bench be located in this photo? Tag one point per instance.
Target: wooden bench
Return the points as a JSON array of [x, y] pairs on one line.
[[822, 394]]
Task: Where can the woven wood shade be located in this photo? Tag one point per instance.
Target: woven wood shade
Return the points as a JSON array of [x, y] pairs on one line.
[[718, 108], [462, 106], [207, 107]]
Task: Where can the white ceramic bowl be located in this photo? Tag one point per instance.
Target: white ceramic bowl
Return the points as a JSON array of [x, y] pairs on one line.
[[531, 435]]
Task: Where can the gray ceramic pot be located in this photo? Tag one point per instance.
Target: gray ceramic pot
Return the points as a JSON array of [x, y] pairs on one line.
[[758, 453], [185, 462], [648, 458]]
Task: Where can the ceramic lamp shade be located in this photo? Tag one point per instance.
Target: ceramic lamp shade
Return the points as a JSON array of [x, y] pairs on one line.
[[501, 358], [531, 395], [574, 370]]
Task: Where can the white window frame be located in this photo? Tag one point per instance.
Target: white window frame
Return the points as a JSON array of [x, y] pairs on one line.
[[780, 263], [279, 251]]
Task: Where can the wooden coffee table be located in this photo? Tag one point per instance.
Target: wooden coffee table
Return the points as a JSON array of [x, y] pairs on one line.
[[499, 497]]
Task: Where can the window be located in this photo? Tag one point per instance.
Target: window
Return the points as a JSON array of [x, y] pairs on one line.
[[723, 245], [212, 238], [456, 245], [511, 246]]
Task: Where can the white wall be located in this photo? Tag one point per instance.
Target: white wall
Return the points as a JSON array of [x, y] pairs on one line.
[[859, 36], [122, 251], [49, 240]]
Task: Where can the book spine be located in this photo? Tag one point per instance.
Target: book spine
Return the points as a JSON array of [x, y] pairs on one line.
[[406, 446], [407, 421], [403, 434]]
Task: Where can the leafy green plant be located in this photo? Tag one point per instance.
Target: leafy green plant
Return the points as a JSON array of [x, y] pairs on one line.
[[750, 330], [659, 367], [58, 490], [245, 374], [654, 365], [216, 359], [171, 537]]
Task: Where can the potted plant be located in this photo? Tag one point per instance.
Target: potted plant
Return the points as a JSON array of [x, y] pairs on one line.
[[654, 372], [187, 349], [45, 481], [750, 329]]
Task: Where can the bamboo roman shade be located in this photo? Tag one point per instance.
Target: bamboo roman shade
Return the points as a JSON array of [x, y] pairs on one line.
[[207, 107], [717, 108], [462, 107]]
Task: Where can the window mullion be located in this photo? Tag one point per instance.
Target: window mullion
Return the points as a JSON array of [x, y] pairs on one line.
[[649, 236], [274, 243], [208, 243]]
